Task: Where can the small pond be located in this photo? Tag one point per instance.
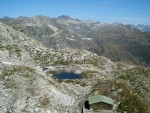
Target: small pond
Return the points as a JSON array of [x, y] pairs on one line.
[[68, 75]]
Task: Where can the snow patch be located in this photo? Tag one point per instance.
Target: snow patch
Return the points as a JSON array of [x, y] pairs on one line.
[[7, 63], [53, 27], [49, 68], [71, 39], [78, 72], [30, 24], [86, 38]]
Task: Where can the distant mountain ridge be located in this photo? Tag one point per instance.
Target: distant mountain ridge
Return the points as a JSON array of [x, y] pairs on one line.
[[115, 41], [143, 28]]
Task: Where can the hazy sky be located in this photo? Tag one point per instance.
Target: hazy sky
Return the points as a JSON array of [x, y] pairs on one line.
[[124, 11]]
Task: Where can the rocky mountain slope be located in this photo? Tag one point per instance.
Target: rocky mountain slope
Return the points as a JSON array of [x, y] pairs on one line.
[[26, 88], [115, 41], [143, 28]]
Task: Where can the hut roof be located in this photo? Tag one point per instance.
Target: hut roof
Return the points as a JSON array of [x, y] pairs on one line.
[[100, 98]]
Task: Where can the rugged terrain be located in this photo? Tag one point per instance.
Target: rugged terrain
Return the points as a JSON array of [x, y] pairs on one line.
[[143, 28], [26, 88], [115, 41]]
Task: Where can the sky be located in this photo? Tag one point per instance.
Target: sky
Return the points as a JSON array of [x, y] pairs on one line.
[[123, 11]]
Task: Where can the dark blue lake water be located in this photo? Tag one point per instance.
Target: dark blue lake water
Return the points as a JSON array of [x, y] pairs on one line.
[[67, 75]]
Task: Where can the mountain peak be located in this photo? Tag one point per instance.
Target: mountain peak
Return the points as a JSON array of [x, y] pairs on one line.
[[7, 17], [141, 27], [64, 17]]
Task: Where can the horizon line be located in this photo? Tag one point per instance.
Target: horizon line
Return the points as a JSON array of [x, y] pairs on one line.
[[90, 19]]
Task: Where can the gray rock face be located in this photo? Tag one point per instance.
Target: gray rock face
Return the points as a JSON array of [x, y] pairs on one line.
[[115, 41], [26, 88]]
